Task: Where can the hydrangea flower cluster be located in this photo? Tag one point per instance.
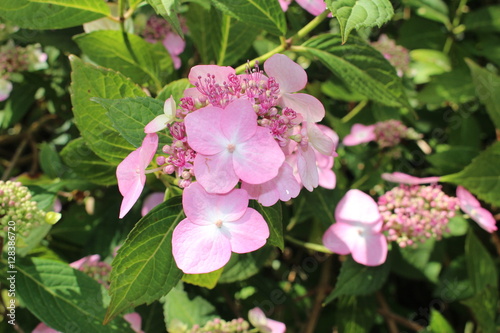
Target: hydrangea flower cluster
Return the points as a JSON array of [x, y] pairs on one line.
[[16, 205], [415, 213], [217, 325], [387, 133], [252, 130], [397, 55]]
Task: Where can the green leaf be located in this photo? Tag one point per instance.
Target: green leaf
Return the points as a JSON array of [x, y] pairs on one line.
[[454, 159], [242, 266], [52, 14], [89, 81], [18, 104], [484, 309], [86, 164], [130, 115], [355, 314], [481, 176], [49, 160], [168, 9], [357, 14], [426, 63], [128, 54], [45, 285], [455, 86], [439, 323], [356, 279], [360, 66], [487, 87], [261, 14], [207, 280], [175, 89], [178, 309], [144, 268], [418, 262], [274, 219], [484, 19], [435, 10]]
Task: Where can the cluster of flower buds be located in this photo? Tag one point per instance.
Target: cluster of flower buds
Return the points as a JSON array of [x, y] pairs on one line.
[[16, 205], [387, 133], [95, 268], [221, 326], [397, 55], [415, 213]]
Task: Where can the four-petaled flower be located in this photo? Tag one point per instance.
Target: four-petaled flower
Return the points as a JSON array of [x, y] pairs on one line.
[[471, 206], [359, 134], [215, 225]]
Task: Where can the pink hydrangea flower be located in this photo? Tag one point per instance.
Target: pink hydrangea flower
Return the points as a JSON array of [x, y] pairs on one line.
[[151, 201], [282, 187], [215, 225], [359, 134], [314, 7], [131, 172], [357, 230], [231, 146], [324, 163], [291, 78], [175, 45], [471, 206], [160, 122], [258, 319], [403, 178]]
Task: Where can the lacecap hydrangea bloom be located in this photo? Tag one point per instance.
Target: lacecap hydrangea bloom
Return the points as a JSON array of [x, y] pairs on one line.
[[388, 133]]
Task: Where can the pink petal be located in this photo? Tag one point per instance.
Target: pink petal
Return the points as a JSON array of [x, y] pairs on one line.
[[320, 141], [471, 206], [466, 198], [148, 149], [131, 180], [135, 321], [204, 208], [357, 207], [359, 134], [314, 7], [239, 121], [338, 236], [257, 317], [90, 260], [330, 133], [308, 106], [290, 76], [42, 328], [157, 124], [276, 326], [216, 172], [370, 250], [174, 44], [399, 177], [151, 201], [258, 159], [327, 178], [284, 4], [220, 72], [130, 198], [248, 233], [308, 171], [5, 89], [199, 249], [203, 129]]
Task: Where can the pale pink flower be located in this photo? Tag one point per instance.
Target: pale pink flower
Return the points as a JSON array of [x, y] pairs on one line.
[[291, 78], [359, 134], [231, 146], [151, 201], [160, 122], [403, 178], [175, 45], [471, 206], [357, 230], [284, 4], [282, 187], [131, 172], [215, 225], [5, 89], [258, 318], [314, 7]]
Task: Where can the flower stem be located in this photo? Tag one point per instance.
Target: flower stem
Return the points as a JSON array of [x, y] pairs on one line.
[[286, 44], [307, 245], [354, 111]]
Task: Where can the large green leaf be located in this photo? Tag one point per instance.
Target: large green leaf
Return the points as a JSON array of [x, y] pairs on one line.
[[130, 115], [144, 269], [485, 19], [86, 164], [242, 266], [64, 298], [439, 323], [175, 89], [274, 219], [127, 53], [355, 314], [218, 36], [168, 9], [52, 14], [356, 279], [261, 14], [487, 87], [363, 69], [481, 176], [356, 14], [89, 81]]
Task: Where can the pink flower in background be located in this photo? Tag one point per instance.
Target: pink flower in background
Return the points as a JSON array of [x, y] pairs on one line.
[[131, 172], [291, 78], [5, 89], [151, 201], [215, 225], [284, 4], [403, 178], [327, 178], [314, 7], [231, 146], [359, 134], [175, 45], [357, 230], [160, 122], [471, 206], [258, 318]]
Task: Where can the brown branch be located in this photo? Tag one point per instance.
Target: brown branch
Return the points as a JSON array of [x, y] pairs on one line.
[[496, 241], [391, 323], [14, 159], [393, 318], [322, 289]]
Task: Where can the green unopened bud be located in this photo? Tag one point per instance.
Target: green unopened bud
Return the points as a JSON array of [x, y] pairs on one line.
[[52, 217]]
